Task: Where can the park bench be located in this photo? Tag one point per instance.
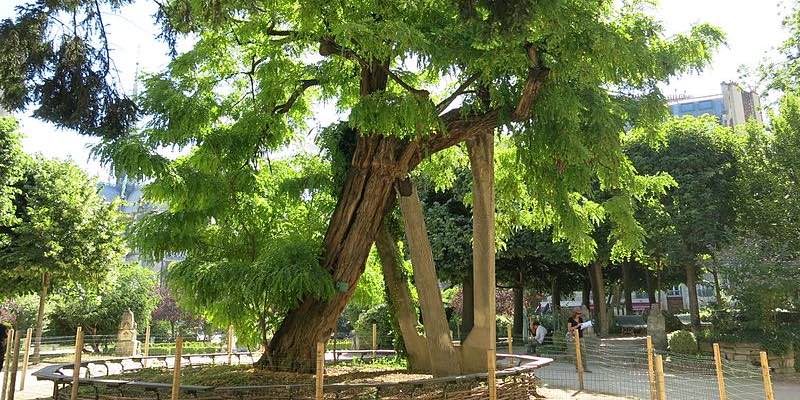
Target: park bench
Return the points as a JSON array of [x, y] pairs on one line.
[[686, 321], [631, 323]]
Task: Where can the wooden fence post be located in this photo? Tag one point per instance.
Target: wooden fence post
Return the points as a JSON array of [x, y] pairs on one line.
[[491, 378], [176, 370], [146, 350], [578, 358], [651, 373], [723, 394], [769, 395], [320, 370], [662, 385], [26, 359], [76, 367], [14, 367], [510, 339], [230, 344], [6, 362], [374, 341]]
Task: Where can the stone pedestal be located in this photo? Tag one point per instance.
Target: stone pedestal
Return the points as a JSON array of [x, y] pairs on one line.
[[657, 327], [127, 345]]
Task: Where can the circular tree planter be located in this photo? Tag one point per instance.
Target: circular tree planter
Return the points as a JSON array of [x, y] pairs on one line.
[[105, 379]]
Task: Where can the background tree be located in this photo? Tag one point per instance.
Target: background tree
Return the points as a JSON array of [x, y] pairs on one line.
[[168, 311], [62, 231], [245, 88], [703, 157], [98, 308]]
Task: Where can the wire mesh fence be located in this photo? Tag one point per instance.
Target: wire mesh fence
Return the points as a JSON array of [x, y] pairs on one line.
[[364, 366], [621, 368]]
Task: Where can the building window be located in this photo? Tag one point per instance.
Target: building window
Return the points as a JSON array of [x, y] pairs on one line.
[[674, 291]]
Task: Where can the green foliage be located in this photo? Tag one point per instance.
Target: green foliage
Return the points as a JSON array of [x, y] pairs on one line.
[[252, 240], [682, 342], [21, 311], [60, 226], [381, 316], [160, 349], [370, 287], [98, 308], [761, 278], [247, 86]]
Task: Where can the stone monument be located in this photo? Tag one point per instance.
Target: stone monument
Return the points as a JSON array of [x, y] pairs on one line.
[[657, 327], [127, 345]]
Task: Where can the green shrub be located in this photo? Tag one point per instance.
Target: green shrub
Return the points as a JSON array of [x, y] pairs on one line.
[[381, 316], [682, 342], [161, 349]]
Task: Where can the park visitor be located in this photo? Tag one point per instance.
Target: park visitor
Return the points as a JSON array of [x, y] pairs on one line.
[[536, 336], [575, 324]]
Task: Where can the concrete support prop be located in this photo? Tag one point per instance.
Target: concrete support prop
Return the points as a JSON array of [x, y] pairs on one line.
[[483, 335]]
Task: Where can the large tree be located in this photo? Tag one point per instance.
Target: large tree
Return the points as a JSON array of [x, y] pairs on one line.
[[564, 78], [703, 158]]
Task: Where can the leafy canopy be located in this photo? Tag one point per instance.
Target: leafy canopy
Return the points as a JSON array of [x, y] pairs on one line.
[[60, 226]]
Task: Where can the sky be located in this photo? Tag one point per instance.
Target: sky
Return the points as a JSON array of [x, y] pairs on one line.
[[753, 29]]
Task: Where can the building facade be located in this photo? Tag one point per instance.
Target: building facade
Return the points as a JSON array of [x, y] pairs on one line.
[[133, 204], [733, 106]]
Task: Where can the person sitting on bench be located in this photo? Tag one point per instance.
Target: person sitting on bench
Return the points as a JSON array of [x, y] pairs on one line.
[[536, 335]]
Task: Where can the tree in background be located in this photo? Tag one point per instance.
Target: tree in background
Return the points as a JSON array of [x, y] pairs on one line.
[[61, 233], [167, 310], [703, 158], [98, 307]]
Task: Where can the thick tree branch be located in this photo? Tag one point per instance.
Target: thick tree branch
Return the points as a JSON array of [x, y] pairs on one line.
[[536, 76], [458, 92], [304, 84], [413, 90]]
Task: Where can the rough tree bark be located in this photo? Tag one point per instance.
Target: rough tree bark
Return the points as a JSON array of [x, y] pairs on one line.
[[483, 335], [626, 287], [352, 230], [401, 302], [600, 307], [37, 357], [694, 308], [443, 356]]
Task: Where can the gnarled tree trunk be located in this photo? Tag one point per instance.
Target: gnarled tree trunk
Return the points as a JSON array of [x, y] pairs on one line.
[[443, 356], [354, 225], [401, 302]]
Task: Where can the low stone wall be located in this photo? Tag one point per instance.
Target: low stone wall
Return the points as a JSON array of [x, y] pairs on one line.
[[780, 364]]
